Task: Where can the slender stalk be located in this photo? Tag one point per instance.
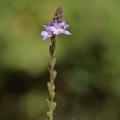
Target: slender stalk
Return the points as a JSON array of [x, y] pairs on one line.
[[57, 27], [50, 84]]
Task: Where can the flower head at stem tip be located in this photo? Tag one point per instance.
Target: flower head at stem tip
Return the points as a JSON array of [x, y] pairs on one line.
[[57, 27]]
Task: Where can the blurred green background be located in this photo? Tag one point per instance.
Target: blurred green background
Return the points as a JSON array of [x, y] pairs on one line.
[[88, 62]]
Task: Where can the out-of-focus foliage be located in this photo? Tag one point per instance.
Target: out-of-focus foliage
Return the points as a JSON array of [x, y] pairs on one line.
[[88, 62]]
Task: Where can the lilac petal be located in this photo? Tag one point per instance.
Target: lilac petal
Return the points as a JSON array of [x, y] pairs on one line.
[[65, 26], [45, 35], [55, 32], [62, 24], [60, 31], [56, 25], [52, 29], [66, 32]]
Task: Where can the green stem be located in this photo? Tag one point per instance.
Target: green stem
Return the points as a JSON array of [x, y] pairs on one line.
[[50, 84]]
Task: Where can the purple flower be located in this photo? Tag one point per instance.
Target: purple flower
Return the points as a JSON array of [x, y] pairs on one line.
[[54, 29]]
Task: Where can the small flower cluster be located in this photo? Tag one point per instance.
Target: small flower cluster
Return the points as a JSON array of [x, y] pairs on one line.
[[54, 29], [57, 27]]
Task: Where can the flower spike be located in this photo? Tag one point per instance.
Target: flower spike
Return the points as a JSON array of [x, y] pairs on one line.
[[57, 27]]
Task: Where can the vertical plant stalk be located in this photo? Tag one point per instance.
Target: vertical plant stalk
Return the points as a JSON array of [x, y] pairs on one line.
[[57, 27], [50, 84]]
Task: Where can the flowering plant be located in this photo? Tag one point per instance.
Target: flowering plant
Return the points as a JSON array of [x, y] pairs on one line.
[[55, 28]]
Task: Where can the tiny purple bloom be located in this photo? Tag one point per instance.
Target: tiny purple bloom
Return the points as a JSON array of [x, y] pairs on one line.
[[57, 27]]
